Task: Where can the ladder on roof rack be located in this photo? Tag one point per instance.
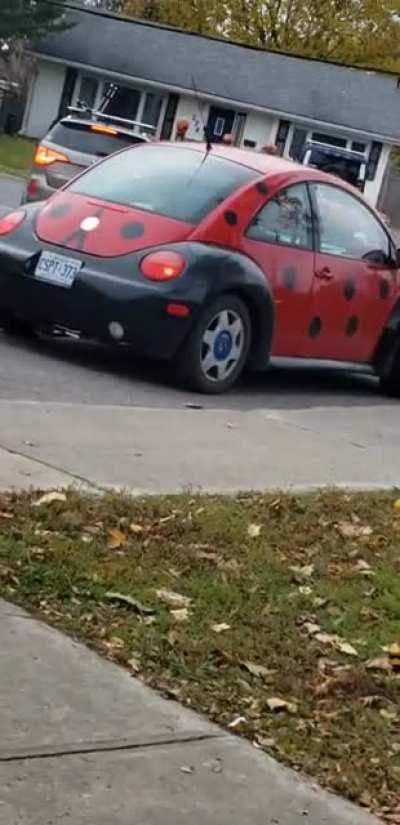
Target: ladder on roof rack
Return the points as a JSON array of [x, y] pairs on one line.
[[87, 112]]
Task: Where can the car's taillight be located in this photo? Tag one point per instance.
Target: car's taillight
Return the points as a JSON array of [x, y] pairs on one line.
[[45, 156], [12, 221], [162, 266]]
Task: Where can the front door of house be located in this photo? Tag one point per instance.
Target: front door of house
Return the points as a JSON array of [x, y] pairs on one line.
[[220, 123]]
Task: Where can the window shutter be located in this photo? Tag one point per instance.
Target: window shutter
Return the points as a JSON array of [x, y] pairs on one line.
[[283, 131], [374, 158], [169, 118], [298, 143]]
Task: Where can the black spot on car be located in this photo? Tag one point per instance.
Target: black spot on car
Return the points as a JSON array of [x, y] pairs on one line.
[[231, 218], [352, 326], [315, 327], [349, 289], [262, 188], [77, 239], [132, 230], [60, 211], [289, 277], [384, 288]]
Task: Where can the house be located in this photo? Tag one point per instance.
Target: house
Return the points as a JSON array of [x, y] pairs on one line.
[[158, 75]]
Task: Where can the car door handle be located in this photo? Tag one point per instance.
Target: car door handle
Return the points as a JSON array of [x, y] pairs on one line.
[[324, 274]]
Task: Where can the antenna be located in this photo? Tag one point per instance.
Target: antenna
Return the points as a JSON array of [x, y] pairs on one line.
[[199, 103]]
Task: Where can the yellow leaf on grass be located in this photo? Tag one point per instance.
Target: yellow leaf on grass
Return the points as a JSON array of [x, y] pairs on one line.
[[115, 539], [180, 616], [381, 663], [220, 628], [254, 530], [174, 600], [277, 705], [49, 498], [259, 671], [136, 529], [397, 505], [349, 530]]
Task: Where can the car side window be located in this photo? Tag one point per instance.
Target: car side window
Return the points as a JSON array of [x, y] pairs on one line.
[[286, 219], [347, 228]]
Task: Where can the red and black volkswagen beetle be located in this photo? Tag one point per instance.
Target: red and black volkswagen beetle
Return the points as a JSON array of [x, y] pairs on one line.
[[215, 258]]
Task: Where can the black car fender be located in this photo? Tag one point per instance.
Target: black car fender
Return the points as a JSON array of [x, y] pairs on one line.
[[388, 348], [213, 271]]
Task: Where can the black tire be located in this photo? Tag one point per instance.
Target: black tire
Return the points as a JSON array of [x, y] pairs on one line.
[[190, 372], [19, 329], [390, 383]]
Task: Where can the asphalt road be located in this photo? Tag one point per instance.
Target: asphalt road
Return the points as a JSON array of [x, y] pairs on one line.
[[73, 412]]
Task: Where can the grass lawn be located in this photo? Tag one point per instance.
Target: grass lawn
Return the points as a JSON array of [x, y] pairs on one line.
[[276, 616], [15, 155]]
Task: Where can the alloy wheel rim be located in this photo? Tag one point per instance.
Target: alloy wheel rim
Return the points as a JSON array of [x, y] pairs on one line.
[[222, 345]]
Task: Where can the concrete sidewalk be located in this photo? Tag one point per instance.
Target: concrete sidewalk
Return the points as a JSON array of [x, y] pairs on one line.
[[82, 742], [47, 444]]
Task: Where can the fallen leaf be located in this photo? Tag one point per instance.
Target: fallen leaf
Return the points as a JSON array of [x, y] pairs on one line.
[[5, 515], [311, 628], [303, 572], [187, 769], [115, 539], [389, 715], [134, 664], [239, 721], [49, 498], [136, 528], [394, 656], [174, 600], [277, 705], [345, 647], [115, 643], [254, 530], [266, 742], [180, 616], [349, 530], [131, 602], [378, 664], [396, 505], [220, 628], [259, 671], [364, 568], [305, 590]]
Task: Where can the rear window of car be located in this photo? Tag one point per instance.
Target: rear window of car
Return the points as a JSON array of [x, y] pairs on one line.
[[179, 183], [80, 137]]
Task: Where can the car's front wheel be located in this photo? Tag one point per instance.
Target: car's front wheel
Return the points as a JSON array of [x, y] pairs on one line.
[[217, 349]]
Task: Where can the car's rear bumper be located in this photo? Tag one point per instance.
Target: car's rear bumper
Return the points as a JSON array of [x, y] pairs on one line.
[[97, 299]]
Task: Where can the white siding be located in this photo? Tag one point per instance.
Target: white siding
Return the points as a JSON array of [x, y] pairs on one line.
[[196, 112], [44, 102], [260, 129]]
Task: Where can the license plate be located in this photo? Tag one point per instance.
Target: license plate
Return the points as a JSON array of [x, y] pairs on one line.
[[57, 269]]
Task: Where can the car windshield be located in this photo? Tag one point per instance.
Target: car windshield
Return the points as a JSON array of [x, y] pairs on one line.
[[84, 137], [179, 183]]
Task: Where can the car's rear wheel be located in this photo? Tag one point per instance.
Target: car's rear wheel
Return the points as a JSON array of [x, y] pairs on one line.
[[390, 383], [217, 349]]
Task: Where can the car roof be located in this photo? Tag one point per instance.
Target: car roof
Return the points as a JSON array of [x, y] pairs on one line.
[[259, 161]]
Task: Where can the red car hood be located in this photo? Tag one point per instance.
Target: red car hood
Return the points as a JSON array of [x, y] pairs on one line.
[[104, 229]]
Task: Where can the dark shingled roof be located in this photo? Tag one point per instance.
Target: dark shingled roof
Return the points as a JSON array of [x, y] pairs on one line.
[[364, 100]]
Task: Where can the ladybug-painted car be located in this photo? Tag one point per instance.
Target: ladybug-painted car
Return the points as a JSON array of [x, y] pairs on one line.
[[212, 257]]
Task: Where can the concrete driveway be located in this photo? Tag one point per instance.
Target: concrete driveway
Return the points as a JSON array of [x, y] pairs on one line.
[[10, 192], [73, 413]]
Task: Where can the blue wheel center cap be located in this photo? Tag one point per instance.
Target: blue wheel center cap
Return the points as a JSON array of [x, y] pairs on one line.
[[223, 345]]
